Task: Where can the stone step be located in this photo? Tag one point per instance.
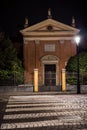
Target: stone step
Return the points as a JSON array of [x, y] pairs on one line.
[[49, 88]]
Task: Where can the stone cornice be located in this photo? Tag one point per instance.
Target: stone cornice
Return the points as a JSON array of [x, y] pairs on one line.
[[52, 33], [47, 38]]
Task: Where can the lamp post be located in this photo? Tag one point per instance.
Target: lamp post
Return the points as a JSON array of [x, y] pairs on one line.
[[77, 39]]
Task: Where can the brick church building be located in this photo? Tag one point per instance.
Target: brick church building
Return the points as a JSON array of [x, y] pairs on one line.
[[47, 46]]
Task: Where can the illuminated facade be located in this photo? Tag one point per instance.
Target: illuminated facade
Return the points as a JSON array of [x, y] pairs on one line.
[[47, 46]]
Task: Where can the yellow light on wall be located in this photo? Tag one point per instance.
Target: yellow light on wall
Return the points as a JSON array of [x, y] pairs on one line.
[[35, 80], [63, 79]]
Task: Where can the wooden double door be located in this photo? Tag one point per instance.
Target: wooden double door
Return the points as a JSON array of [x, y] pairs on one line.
[[50, 75]]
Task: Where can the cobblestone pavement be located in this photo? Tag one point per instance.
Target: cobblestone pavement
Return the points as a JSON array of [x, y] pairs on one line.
[[46, 112]]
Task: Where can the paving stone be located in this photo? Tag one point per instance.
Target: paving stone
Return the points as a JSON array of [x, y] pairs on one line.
[[36, 112]]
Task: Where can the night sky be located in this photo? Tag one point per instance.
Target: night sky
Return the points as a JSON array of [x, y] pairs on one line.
[[13, 13]]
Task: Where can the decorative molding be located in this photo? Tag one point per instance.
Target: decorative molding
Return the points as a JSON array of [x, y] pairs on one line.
[[49, 59], [47, 33], [62, 41], [35, 69], [49, 47], [63, 70], [47, 38], [49, 28], [26, 41], [72, 41], [37, 41]]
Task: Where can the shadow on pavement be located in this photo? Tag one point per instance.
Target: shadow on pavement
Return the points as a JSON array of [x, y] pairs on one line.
[[3, 103]]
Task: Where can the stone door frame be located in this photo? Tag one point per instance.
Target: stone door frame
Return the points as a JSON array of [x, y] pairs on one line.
[[50, 60]]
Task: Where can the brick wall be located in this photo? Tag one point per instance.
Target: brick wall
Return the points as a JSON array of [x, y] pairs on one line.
[[33, 52]]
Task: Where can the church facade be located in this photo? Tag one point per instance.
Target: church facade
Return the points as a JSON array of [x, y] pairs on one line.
[[47, 46]]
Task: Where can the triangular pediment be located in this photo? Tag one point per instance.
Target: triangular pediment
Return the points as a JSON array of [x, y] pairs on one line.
[[50, 25]]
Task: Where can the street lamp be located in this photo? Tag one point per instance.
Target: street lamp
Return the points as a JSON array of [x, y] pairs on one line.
[[77, 39]]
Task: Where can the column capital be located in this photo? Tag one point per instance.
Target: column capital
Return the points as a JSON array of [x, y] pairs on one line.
[[35, 69], [63, 70]]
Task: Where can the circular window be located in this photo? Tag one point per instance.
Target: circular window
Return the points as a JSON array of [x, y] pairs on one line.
[[49, 28]]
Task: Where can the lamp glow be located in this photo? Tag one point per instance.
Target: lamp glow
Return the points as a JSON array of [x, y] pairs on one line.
[[77, 39]]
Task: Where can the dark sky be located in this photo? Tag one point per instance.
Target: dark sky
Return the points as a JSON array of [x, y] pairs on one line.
[[13, 13]]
